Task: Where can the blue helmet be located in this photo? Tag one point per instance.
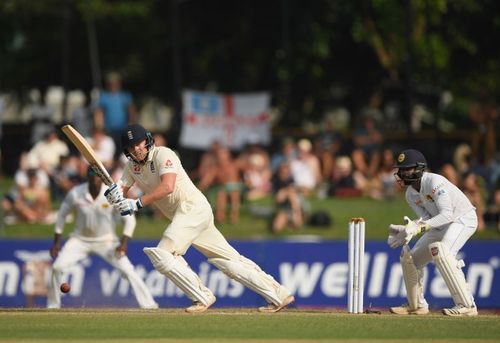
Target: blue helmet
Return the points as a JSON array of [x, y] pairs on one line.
[[134, 134], [407, 159]]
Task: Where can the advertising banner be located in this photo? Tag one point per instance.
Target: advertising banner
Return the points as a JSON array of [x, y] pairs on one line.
[[316, 273]]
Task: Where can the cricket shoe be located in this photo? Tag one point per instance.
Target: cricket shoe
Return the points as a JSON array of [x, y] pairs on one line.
[[405, 310], [199, 307], [461, 311], [272, 308]]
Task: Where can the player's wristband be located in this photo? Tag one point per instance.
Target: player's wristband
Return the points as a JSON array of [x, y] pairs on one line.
[[139, 204]]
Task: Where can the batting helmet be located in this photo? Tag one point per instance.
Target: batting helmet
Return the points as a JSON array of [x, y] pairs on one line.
[[134, 134], [408, 159]]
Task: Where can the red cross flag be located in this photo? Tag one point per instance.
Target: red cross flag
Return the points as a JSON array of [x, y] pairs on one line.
[[234, 119]]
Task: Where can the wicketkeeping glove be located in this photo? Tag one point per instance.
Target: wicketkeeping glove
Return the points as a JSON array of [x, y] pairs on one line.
[[114, 194], [397, 236], [413, 228]]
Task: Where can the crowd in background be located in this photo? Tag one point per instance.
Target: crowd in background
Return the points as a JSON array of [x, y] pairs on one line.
[[326, 164]]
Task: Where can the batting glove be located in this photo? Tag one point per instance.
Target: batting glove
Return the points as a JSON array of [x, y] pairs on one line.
[[114, 194], [129, 206]]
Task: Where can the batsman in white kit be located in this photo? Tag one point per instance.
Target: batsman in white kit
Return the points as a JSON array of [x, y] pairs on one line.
[[94, 233], [158, 172], [446, 219]]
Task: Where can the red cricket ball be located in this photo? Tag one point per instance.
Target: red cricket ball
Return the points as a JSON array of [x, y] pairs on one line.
[[65, 287]]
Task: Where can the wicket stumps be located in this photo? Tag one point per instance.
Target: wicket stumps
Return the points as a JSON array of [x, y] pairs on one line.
[[356, 262]]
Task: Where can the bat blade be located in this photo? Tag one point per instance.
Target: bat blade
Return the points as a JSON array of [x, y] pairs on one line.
[[88, 153]]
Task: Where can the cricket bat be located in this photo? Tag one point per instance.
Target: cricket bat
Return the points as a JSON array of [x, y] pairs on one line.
[[86, 150]]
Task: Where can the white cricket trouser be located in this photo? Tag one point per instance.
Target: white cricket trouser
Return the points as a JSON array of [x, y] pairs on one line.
[[76, 250], [193, 224], [453, 237]]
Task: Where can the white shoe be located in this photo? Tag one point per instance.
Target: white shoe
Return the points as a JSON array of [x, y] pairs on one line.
[[151, 307], [460, 311], [271, 308], [199, 307], [405, 310]]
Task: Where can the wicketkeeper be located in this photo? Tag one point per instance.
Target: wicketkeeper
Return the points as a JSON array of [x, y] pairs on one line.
[[159, 174], [445, 220]]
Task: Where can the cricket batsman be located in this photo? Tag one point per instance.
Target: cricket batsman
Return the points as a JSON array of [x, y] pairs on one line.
[[158, 172], [446, 219]]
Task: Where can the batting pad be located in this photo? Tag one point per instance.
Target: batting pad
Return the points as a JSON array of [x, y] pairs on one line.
[[250, 275], [451, 271], [410, 276], [177, 270]]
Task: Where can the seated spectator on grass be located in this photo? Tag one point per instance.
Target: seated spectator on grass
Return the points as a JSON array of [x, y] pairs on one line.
[[256, 177], [287, 200], [345, 182], [46, 154], [306, 169], [30, 204], [389, 186], [225, 177], [286, 154], [70, 172], [208, 161]]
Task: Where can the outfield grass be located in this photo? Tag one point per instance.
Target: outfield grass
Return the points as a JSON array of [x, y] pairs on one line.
[[238, 325], [254, 220]]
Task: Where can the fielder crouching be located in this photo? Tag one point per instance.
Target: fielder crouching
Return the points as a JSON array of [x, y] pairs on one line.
[[160, 175], [94, 233], [446, 221]]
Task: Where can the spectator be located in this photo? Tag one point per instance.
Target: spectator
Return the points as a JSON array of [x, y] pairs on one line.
[[492, 215], [386, 175], [42, 116], [449, 172], [287, 200], [306, 168], [115, 109], [366, 155], [327, 146], [473, 188], [104, 147], [82, 119], [225, 175], [30, 203], [345, 183], [286, 154], [68, 174], [257, 177], [46, 154], [208, 161]]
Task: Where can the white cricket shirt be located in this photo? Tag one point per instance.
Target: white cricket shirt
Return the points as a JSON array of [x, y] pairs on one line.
[[95, 218], [439, 201], [162, 160]]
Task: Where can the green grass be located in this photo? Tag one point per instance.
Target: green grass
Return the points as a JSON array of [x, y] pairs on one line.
[[254, 221], [238, 325]]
